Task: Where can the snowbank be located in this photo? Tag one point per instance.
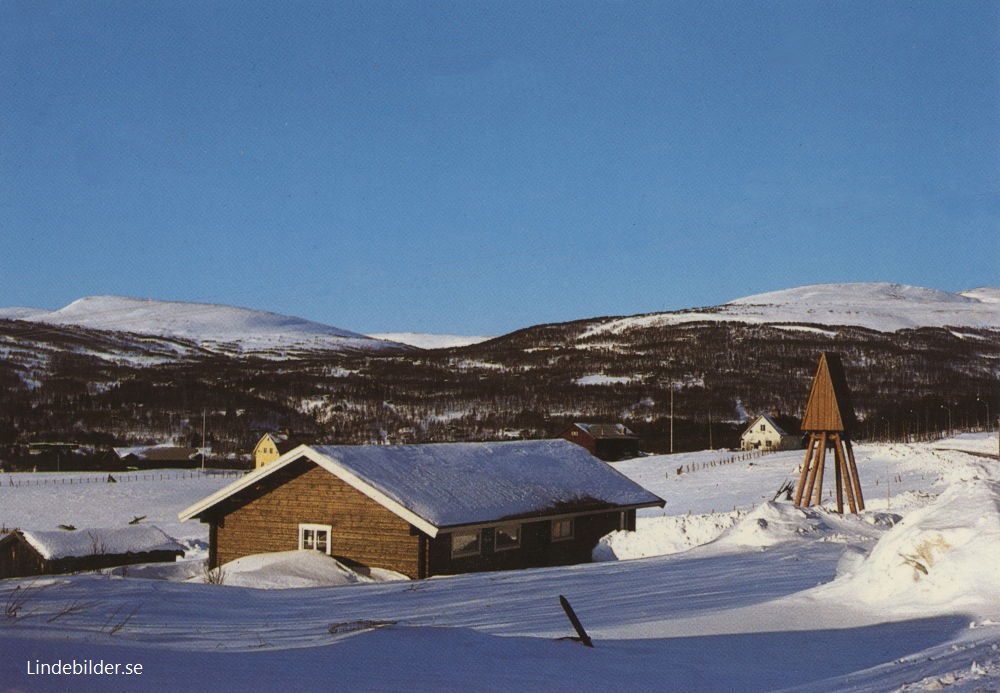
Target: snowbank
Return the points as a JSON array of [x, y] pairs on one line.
[[294, 569], [945, 556], [772, 523], [659, 536]]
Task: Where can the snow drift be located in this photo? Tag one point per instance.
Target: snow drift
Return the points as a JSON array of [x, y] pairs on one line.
[[944, 556], [303, 568]]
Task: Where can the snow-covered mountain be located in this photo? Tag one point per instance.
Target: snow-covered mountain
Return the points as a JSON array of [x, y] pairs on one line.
[[877, 306], [216, 328], [226, 329]]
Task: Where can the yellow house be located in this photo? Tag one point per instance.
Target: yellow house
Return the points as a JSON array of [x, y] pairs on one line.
[[270, 447]]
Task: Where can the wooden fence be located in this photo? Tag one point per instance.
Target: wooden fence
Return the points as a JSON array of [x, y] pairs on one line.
[[16, 479]]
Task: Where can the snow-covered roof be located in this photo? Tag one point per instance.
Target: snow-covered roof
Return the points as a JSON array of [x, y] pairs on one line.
[[453, 484], [54, 544], [600, 430], [164, 451], [778, 428]]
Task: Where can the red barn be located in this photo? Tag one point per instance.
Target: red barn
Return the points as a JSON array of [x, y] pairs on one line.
[[609, 442]]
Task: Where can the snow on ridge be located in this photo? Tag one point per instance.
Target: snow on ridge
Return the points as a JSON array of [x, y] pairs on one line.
[[429, 341], [986, 294], [219, 326], [21, 313], [879, 306], [841, 294]]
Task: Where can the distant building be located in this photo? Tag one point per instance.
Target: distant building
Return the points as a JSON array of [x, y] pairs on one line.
[[24, 553], [271, 446], [609, 442], [772, 432], [161, 456], [424, 510]]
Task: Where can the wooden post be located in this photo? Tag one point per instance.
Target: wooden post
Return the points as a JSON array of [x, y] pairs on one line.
[[815, 483], [804, 473], [845, 482], [838, 481], [854, 475], [583, 637]]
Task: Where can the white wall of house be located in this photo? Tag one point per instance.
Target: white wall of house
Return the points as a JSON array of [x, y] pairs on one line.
[[762, 435]]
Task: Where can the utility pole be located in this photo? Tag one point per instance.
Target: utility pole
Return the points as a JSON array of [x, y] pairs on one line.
[[710, 445], [203, 438], [671, 418], [948, 409]]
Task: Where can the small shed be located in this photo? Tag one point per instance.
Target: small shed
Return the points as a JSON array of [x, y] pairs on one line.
[[25, 553], [771, 432], [609, 442], [425, 510]]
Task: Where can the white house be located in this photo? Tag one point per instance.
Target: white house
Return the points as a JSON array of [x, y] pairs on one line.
[[771, 432]]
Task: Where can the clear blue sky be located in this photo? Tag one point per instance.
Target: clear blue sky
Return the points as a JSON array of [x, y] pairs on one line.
[[477, 167]]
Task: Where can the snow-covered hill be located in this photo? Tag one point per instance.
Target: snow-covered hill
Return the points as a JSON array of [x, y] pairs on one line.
[[877, 306], [218, 328], [226, 329]]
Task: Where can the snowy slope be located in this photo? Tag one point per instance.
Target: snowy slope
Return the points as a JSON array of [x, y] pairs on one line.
[[214, 327], [429, 341], [776, 599], [877, 306]]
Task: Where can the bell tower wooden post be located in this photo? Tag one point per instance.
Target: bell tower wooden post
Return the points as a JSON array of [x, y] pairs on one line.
[[828, 420]]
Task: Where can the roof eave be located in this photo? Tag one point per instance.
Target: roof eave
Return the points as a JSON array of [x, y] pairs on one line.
[[555, 515]]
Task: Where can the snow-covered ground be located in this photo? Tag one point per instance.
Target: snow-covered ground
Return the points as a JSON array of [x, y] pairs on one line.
[[723, 589]]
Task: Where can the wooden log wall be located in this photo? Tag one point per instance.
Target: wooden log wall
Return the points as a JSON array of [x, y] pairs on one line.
[[362, 530]]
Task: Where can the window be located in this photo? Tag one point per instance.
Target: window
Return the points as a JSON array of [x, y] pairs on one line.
[[763, 428], [507, 537], [464, 544], [315, 538], [562, 529]]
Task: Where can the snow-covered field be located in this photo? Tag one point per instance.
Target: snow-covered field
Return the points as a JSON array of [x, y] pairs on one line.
[[723, 589]]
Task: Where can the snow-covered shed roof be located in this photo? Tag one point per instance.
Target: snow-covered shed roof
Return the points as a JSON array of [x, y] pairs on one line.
[[454, 484], [159, 453], [604, 430], [55, 544]]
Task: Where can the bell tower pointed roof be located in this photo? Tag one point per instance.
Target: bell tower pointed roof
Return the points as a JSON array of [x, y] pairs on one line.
[[829, 407]]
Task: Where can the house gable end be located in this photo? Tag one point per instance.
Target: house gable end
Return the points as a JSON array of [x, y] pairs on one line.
[[257, 480]]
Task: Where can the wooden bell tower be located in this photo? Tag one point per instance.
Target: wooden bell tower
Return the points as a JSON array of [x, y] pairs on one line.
[[828, 420]]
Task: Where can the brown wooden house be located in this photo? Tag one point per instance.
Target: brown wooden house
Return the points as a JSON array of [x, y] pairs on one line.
[[25, 553], [425, 510], [609, 442]]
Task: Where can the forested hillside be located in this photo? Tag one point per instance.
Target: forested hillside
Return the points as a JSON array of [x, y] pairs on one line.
[[72, 384]]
